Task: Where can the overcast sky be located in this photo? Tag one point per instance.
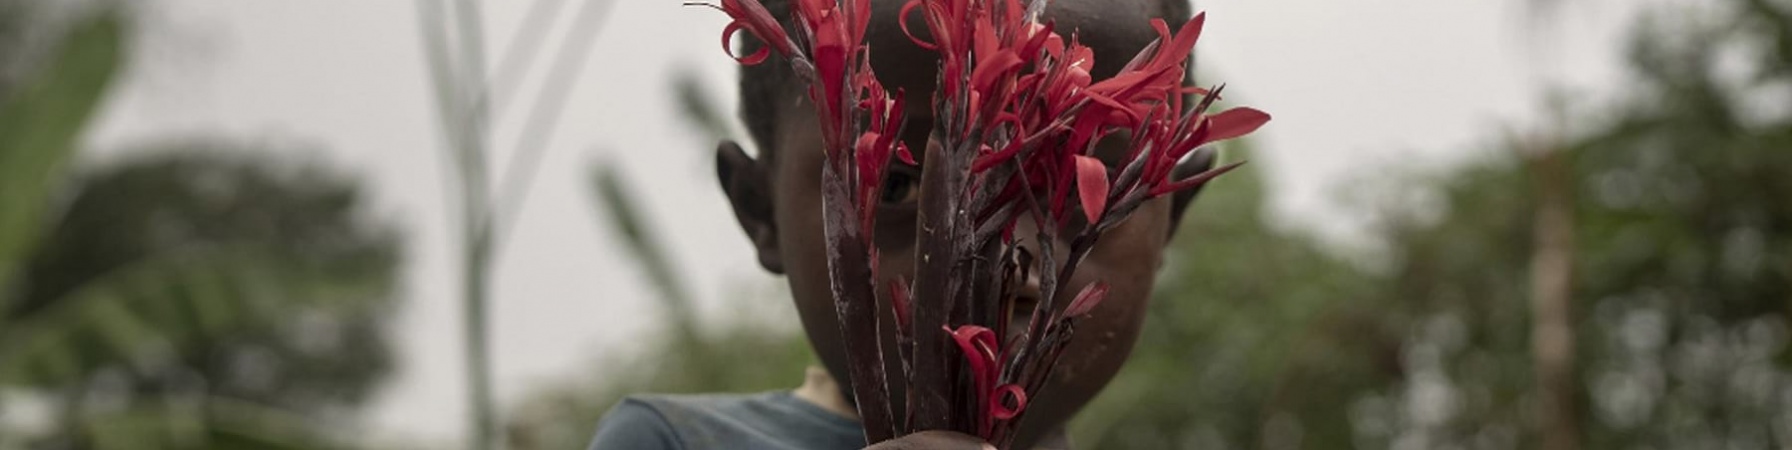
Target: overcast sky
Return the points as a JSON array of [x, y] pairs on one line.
[[1355, 86]]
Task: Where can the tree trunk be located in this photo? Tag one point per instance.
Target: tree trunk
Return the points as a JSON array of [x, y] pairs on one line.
[[1552, 277]]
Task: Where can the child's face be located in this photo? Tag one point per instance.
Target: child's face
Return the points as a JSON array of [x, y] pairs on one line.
[[779, 205]]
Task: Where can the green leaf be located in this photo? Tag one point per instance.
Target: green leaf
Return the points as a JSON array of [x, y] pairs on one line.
[[146, 313], [617, 201], [215, 422], [698, 108], [40, 124]]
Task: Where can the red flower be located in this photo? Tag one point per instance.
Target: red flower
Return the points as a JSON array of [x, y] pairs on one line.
[[1086, 300], [840, 83], [881, 139], [752, 16], [1017, 119], [983, 352]]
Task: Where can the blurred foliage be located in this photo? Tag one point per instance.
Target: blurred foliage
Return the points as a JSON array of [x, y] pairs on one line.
[[748, 352], [201, 298], [1263, 337], [697, 106], [185, 299], [1243, 333], [40, 120], [732, 356], [1683, 293], [15, 32]]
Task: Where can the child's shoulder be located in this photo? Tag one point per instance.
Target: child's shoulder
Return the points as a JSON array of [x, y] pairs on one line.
[[735, 421], [683, 408]]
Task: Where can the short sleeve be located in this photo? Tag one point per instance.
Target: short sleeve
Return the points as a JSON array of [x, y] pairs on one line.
[[633, 425]]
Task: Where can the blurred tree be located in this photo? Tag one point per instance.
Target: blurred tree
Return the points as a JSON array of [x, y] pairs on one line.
[[193, 277], [13, 31], [41, 115], [197, 198], [1238, 350], [186, 300], [1683, 263], [697, 106], [1683, 250]]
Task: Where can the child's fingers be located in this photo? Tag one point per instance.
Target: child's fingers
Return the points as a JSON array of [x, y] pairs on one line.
[[933, 440]]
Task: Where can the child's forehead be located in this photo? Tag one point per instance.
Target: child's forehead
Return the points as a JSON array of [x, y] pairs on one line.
[[1114, 29]]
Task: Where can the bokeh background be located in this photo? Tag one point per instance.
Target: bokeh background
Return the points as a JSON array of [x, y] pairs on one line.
[[1472, 225]]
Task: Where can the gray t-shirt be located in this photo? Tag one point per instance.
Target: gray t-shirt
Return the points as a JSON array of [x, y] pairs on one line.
[[765, 421]]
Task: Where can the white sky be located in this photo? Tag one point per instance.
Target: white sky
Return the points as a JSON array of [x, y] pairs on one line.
[[1355, 86]]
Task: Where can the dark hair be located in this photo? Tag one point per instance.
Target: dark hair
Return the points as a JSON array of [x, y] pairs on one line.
[[763, 85]]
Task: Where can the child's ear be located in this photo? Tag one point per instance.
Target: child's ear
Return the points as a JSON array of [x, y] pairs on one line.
[[1200, 161], [747, 183]]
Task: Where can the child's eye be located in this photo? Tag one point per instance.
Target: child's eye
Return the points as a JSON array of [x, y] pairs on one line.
[[900, 188]]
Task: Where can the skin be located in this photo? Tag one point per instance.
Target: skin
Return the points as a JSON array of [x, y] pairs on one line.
[[778, 204]]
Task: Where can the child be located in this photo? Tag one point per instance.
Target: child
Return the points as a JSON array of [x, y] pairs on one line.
[[777, 201]]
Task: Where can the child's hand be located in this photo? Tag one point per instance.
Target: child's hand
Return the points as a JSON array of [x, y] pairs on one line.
[[933, 440]]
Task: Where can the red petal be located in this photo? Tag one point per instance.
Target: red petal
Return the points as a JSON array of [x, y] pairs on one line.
[[1235, 122], [871, 162], [983, 38], [902, 21], [1122, 82], [1138, 61], [756, 57], [1039, 34], [861, 10], [978, 345], [1197, 180], [989, 69], [1086, 300], [1115, 105], [977, 342], [1092, 186], [975, 339], [867, 149], [830, 71], [999, 409], [1162, 28], [1177, 50], [728, 35], [988, 160], [753, 15], [898, 102]]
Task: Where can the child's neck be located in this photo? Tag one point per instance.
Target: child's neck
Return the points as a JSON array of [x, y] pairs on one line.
[[820, 389]]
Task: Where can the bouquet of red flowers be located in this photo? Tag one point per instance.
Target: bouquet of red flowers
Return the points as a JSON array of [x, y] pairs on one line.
[[1017, 119]]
